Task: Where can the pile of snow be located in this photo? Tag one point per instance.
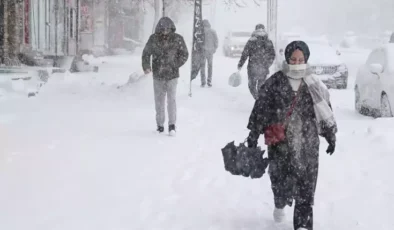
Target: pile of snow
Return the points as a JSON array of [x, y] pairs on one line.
[[390, 57]]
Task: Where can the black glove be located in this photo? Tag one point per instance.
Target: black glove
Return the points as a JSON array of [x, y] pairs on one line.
[[252, 143], [253, 139], [331, 139]]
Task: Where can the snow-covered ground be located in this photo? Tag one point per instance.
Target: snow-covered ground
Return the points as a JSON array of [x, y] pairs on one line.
[[84, 155]]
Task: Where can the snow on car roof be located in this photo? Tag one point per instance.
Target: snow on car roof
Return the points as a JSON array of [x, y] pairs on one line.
[[322, 54], [390, 56]]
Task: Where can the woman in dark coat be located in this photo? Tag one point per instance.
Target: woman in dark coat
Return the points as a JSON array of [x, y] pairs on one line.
[[297, 100]]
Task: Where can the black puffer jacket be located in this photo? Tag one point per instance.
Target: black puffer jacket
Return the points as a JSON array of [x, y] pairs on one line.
[[261, 53], [168, 51]]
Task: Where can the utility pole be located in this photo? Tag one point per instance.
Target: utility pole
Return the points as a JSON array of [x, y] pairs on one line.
[[164, 8], [272, 25], [272, 18]]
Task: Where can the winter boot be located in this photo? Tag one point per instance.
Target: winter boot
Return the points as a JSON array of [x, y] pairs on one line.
[[160, 129], [209, 85], [172, 130], [279, 215], [202, 85]]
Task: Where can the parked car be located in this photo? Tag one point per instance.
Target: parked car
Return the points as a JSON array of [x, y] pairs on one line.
[[234, 42], [325, 61], [374, 87]]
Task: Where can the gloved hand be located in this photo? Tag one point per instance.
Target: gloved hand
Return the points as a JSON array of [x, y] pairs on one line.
[[331, 140], [253, 139], [239, 68], [251, 143]]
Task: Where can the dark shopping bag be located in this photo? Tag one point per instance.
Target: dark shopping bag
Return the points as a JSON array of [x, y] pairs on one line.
[[241, 160]]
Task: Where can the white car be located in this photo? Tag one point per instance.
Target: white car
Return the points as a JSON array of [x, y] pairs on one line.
[[234, 42], [374, 88]]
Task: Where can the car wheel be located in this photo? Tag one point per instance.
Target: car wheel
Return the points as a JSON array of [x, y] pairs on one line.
[[385, 108], [357, 102]]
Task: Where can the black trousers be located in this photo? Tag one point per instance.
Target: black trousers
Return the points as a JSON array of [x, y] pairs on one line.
[[290, 184], [255, 83], [256, 78]]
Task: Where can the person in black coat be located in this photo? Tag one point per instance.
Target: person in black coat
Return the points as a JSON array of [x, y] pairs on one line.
[[299, 102], [261, 53], [168, 52]]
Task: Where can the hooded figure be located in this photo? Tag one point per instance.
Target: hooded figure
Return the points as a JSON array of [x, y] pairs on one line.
[[261, 53], [168, 52], [210, 46], [299, 102]]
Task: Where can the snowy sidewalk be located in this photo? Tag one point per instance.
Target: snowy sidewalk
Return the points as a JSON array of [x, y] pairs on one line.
[[84, 155]]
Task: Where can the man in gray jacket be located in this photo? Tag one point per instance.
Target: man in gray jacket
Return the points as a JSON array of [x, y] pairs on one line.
[[210, 46], [168, 53]]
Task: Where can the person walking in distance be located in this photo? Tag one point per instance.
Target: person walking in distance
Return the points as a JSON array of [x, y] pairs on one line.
[[210, 46], [168, 52], [261, 53]]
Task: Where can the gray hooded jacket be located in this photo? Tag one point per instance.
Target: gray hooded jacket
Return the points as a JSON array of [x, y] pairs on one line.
[[211, 39]]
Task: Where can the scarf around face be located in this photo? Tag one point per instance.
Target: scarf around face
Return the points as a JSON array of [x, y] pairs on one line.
[[319, 93]]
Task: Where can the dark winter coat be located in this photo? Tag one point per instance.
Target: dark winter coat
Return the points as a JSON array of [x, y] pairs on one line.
[[169, 52], [261, 53], [289, 159], [211, 42]]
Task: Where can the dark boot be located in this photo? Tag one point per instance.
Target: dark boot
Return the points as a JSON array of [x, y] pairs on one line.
[[160, 129], [172, 130]]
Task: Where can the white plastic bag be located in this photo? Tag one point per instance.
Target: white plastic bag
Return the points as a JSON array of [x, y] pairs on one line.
[[235, 79]]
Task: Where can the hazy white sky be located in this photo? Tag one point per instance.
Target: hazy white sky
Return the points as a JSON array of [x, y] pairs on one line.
[[333, 17]]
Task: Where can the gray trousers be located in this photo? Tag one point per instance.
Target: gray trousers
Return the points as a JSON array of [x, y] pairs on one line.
[[163, 88], [208, 57]]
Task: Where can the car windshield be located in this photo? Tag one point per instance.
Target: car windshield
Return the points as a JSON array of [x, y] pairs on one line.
[[241, 34]]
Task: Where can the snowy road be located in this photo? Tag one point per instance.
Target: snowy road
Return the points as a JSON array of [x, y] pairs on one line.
[[83, 155]]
